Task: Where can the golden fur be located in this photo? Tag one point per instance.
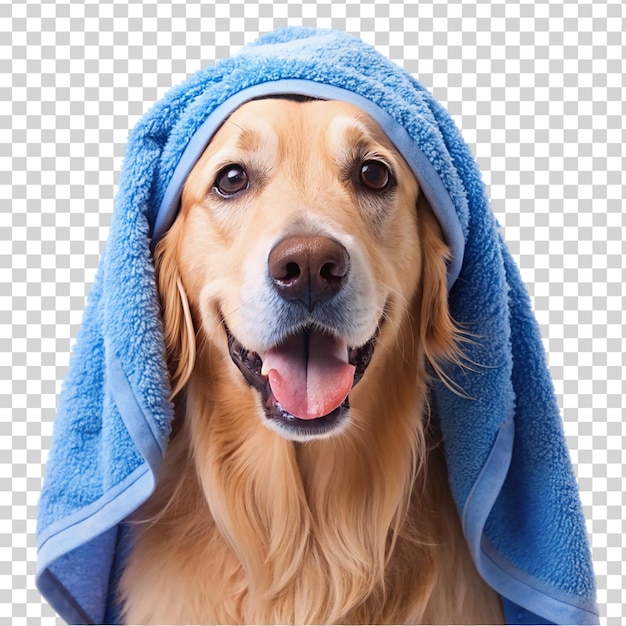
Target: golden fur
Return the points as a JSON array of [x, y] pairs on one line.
[[247, 526]]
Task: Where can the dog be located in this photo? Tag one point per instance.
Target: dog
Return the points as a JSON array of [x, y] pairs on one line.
[[304, 303]]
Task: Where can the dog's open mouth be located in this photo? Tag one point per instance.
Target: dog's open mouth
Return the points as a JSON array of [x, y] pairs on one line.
[[304, 381]]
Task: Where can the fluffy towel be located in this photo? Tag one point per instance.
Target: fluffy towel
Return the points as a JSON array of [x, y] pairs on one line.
[[509, 468]]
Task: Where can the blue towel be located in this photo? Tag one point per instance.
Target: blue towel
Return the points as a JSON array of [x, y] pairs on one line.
[[509, 467]]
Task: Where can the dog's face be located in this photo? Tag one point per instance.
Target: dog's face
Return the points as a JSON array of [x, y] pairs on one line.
[[302, 247]]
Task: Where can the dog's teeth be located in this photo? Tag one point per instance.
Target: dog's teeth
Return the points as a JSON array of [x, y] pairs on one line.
[[264, 370]]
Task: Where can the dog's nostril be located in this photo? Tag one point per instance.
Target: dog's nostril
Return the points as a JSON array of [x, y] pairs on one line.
[[334, 270], [308, 269], [292, 271]]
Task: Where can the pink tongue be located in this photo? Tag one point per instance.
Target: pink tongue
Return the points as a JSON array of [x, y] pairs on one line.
[[309, 387]]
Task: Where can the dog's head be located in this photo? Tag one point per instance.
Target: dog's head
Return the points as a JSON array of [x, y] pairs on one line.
[[302, 249]]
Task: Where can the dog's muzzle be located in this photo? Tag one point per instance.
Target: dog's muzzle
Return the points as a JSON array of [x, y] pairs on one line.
[[305, 378]]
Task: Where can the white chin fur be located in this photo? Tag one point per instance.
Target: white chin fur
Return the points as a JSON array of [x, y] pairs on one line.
[[293, 434]]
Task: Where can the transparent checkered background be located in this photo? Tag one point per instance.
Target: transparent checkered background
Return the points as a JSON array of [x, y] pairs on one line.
[[537, 88]]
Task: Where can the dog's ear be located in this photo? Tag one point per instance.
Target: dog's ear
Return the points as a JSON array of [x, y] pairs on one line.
[[439, 335], [178, 330]]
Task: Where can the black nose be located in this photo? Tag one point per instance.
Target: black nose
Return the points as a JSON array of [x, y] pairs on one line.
[[309, 269]]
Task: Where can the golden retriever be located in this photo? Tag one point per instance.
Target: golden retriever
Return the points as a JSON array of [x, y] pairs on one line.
[[303, 289]]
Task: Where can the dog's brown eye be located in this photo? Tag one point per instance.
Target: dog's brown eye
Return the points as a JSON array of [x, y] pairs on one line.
[[375, 175], [231, 180]]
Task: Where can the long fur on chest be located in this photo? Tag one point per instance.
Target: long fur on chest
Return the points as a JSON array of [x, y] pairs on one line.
[[246, 527]]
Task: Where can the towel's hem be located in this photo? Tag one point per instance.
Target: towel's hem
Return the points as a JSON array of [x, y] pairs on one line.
[[87, 523], [144, 439], [140, 428], [510, 582], [61, 600], [532, 594], [427, 177], [81, 527], [91, 521], [489, 483]]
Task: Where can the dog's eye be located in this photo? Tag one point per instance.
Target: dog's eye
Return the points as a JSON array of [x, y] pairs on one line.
[[231, 180], [375, 175]]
